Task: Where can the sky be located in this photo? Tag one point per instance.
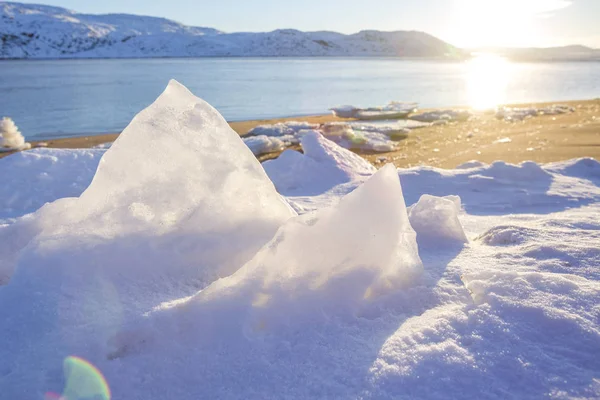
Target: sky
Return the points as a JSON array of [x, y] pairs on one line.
[[464, 23]]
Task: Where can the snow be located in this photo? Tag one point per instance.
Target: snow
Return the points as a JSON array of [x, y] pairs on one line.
[[10, 137], [181, 273], [33, 31], [35, 177]]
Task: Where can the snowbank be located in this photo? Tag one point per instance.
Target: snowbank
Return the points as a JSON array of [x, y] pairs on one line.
[[32, 178], [501, 187]]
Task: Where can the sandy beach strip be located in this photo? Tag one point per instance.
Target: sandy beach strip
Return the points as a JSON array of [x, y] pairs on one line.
[[542, 139]]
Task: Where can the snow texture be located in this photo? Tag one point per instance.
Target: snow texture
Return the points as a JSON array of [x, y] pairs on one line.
[[35, 31], [32, 178], [181, 273]]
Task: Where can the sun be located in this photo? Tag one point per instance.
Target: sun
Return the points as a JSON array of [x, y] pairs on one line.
[[487, 77], [500, 23]]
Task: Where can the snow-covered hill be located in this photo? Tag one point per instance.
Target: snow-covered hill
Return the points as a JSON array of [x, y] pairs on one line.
[[37, 31]]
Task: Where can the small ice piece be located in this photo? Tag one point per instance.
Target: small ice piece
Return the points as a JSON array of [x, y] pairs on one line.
[[263, 144], [346, 111], [435, 219], [281, 129], [345, 136], [10, 137], [447, 115]]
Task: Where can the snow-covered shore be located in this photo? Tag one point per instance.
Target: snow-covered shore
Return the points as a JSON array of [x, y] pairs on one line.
[[182, 269]]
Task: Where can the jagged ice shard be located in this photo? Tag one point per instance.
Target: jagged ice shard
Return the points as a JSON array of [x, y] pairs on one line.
[[177, 202]]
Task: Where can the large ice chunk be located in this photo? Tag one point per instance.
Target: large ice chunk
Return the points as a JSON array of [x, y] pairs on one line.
[[181, 175], [177, 201], [330, 263], [322, 166]]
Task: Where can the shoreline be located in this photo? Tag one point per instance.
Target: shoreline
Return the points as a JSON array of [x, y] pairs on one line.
[[542, 139]]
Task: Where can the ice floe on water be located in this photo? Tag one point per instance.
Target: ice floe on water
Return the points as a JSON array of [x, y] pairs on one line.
[[181, 272]]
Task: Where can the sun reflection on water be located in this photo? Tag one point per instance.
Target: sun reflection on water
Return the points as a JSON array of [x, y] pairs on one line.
[[487, 78]]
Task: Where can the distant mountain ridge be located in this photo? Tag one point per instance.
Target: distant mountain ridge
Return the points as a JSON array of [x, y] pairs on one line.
[[39, 31]]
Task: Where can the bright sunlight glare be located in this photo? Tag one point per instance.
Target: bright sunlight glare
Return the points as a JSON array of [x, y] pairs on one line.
[[487, 77], [511, 23]]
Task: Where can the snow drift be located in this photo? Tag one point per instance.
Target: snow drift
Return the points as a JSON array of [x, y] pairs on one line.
[[32, 178]]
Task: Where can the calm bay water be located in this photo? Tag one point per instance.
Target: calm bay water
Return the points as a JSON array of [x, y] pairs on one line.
[[74, 97]]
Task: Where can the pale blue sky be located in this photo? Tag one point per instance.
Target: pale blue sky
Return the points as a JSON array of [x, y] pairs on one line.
[[466, 23]]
